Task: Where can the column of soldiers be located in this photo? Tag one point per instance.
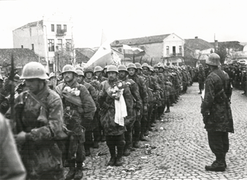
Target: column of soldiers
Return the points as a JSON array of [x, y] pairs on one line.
[[238, 76], [57, 122]]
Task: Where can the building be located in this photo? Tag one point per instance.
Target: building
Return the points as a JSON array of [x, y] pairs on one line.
[[50, 38], [166, 48], [196, 51], [21, 56]]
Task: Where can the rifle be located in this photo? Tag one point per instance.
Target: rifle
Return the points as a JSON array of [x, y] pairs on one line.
[[12, 93]]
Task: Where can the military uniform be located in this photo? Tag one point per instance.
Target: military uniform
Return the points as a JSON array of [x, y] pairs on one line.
[[114, 132], [216, 112]]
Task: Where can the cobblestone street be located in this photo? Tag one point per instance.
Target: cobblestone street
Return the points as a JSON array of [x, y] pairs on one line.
[[180, 147]]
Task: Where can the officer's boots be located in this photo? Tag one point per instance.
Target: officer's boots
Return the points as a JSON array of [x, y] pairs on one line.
[[113, 155], [78, 173], [126, 150], [120, 150], [87, 149], [72, 171], [218, 165]]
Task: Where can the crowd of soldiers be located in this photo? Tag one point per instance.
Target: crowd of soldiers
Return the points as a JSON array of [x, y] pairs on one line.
[[58, 119], [236, 71]]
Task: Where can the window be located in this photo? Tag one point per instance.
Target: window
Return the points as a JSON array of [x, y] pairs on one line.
[[174, 50], [51, 45], [59, 44], [52, 28], [68, 44], [180, 49], [33, 47], [65, 28], [167, 50], [59, 28]]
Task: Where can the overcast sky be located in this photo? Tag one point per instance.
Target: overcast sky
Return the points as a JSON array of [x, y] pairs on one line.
[[121, 19]]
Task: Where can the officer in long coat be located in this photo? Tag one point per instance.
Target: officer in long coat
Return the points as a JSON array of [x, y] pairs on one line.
[[216, 112]]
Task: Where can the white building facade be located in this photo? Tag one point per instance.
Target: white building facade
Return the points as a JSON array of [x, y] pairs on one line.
[[46, 37]]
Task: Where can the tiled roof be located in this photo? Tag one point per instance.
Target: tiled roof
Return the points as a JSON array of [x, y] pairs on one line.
[[197, 43], [32, 24], [21, 56], [141, 40]]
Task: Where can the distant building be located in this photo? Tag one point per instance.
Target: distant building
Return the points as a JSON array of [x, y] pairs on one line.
[[47, 38], [166, 48], [197, 51]]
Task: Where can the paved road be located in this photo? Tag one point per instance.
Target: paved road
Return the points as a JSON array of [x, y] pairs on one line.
[[180, 150]]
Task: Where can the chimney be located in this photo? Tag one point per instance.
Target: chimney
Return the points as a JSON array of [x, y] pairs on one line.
[[216, 45], [196, 37]]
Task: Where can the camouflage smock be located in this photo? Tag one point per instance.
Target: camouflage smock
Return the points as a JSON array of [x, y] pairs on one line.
[[217, 112]]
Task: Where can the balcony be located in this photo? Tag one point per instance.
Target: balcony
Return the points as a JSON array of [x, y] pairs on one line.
[[61, 32], [175, 54]]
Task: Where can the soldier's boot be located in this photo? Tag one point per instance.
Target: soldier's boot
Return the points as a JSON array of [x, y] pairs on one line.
[[143, 138], [113, 156], [103, 137], [217, 165], [71, 173], [167, 110], [96, 144], [126, 151], [136, 144], [78, 173], [224, 160], [72, 170], [87, 150], [120, 149]]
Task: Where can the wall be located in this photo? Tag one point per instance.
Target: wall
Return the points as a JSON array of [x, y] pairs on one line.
[[172, 40], [27, 37]]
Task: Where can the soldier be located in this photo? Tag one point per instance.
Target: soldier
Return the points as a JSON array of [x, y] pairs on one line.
[[94, 95], [116, 104], [153, 90], [99, 77], [78, 116], [11, 165], [52, 80], [216, 112], [123, 73], [201, 78], [140, 123], [138, 69], [39, 121]]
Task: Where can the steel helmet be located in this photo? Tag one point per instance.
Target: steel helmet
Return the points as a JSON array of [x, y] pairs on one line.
[[138, 66], [79, 72], [112, 68], [145, 65], [213, 60], [151, 68], [161, 66], [86, 70], [156, 66], [97, 69], [52, 74], [131, 65], [68, 68], [34, 70], [79, 68], [122, 68]]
